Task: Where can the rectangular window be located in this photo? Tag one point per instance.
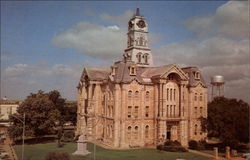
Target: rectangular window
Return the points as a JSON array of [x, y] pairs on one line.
[[170, 94], [147, 111], [174, 110], [167, 93], [129, 111], [174, 94], [195, 111], [201, 111], [167, 110], [136, 111], [170, 110]]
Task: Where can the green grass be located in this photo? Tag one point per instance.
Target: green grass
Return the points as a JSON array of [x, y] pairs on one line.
[[38, 152]]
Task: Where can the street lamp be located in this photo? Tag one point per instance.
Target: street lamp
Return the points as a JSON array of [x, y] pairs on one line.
[[23, 121]]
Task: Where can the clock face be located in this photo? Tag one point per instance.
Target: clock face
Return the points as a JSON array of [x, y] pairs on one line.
[[141, 24]]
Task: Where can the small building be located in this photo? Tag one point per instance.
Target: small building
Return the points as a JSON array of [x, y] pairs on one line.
[[7, 107], [135, 104]]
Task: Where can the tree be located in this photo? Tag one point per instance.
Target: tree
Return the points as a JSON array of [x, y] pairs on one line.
[[42, 112], [228, 119], [71, 113]]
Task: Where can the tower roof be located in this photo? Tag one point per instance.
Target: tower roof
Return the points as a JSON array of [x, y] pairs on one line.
[[137, 12]]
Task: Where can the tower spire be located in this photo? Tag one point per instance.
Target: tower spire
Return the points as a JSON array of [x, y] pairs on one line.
[[138, 49], [137, 12]]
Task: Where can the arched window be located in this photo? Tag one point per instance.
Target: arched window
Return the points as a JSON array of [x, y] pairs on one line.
[[201, 111], [129, 94], [146, 57], [195, 97], [107, 130], [195, 129], [147, 111], [129, 132], [136, 111], [136, 132], [201, 97], [107, 111], [147, 96], [146, 131], [136, 94], [129, 111], [111, 131], [112, 111], [195, 111], [141, 39], [139, 56]]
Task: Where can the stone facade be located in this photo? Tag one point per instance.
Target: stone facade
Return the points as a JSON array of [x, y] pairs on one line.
[[133, 104], [7, 108]]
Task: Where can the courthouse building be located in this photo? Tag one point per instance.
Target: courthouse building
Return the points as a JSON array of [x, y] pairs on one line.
[[136, 104]]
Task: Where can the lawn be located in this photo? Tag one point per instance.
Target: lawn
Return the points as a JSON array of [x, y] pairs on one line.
[[38, 152]]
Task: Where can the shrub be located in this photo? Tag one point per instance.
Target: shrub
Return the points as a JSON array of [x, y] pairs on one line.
[[172, 146], [193, 144], [57, 156], [159, 147], [172, 143], [68, 136]]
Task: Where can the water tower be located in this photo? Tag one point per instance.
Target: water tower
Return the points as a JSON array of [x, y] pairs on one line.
[[217, 83]]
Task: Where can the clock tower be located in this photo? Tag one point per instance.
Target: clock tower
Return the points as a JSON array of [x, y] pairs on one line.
[[137, 49]]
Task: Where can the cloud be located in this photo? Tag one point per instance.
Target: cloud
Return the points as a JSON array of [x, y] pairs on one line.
[[222, 47], [230, 20], [93, 40], [121, 20], [20, 79], [215, 51]]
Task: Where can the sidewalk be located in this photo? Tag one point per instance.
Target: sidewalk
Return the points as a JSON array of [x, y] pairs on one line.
[[212, 156], [6, 147], [205, 154]]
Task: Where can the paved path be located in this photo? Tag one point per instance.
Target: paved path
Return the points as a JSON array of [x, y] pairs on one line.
[[6, 147], [204, 154]]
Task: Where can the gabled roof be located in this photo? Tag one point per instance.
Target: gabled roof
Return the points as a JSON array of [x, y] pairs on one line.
[[96, 74], [192, 81]]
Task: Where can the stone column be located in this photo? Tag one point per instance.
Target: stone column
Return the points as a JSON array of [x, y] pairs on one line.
[[96, 109], [181, 100], [161, 100], [89, 111], [156, 113], [164, 95], [117, 115], [123, 105]]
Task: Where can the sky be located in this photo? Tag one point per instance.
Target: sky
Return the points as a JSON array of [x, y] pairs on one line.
[[46, 44]]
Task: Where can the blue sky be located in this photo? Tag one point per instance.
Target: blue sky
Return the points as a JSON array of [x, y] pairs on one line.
[[39, 51]]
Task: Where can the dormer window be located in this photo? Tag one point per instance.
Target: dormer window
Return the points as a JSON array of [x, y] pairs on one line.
[[197, 75], [132, 70]]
